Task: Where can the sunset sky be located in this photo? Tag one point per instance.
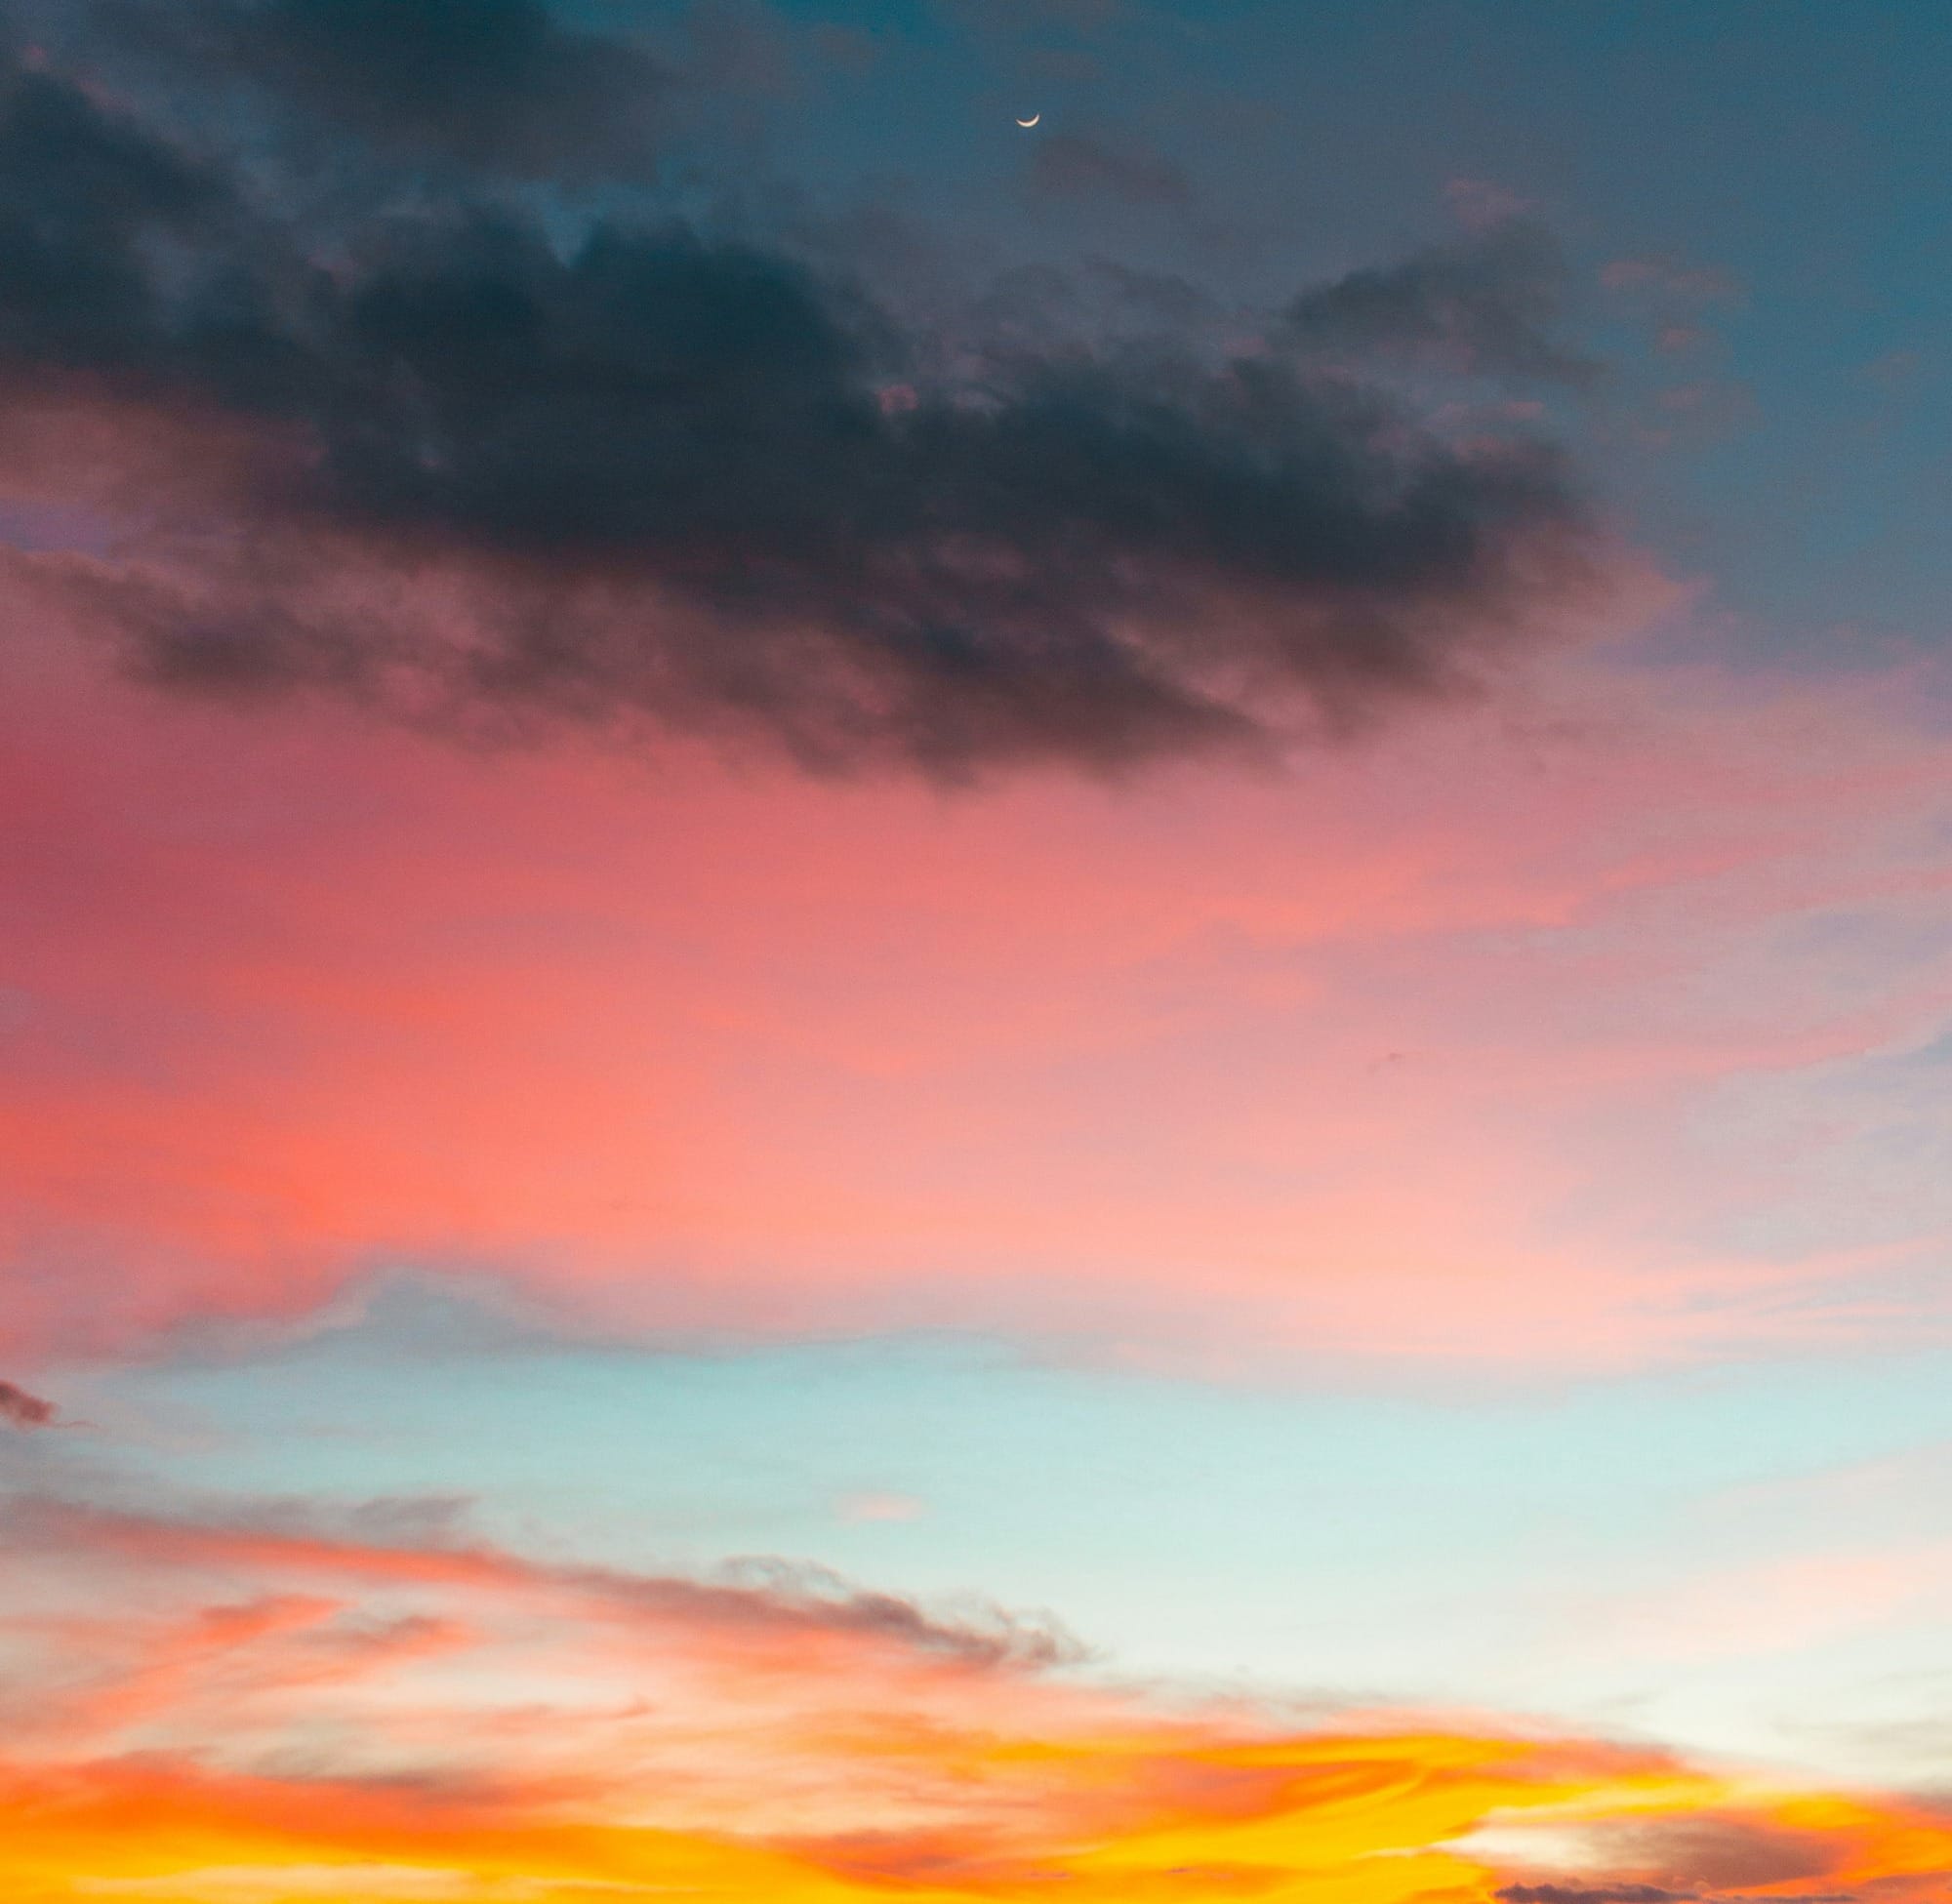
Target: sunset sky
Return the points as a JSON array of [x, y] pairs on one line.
[[897, 1008]]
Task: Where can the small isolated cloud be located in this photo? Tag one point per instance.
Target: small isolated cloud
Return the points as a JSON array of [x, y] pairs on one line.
[[1673, 279], [19, 1409], [1704, 410], [1479, 204], [880, 1507], [1677, 303], [1075, 165], [1895, 371]]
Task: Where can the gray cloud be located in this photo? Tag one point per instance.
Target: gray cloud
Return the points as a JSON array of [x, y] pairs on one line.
[[500, 86], [1487, 306], [1707, 1855], [19, 1409], [1591, 1894], [1551, 1893], [1075, 165], [483, 468]]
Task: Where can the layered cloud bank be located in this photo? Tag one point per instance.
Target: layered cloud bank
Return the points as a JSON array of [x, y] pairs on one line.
[[1571, 1036], [356, 354], [1506, 1009], [260, 1703]]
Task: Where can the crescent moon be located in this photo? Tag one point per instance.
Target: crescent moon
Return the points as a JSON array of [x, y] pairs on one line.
[[1031, 121]]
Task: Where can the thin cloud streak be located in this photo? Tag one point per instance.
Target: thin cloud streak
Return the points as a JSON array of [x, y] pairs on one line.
[[250, 1691]]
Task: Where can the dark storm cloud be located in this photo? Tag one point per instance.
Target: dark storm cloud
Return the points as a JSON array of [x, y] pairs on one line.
[[86, 195], [1591, 1894], [456, 460], [498, 85], [19, 1409], [1487, 306]]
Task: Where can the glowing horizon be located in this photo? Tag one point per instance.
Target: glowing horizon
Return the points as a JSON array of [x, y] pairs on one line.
[[895, 1011]]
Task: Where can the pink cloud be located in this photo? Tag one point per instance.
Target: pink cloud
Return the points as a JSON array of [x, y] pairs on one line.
[[880, 1507], [1788, 1604], [1479, 203], [681, 1047], [1672, 277]]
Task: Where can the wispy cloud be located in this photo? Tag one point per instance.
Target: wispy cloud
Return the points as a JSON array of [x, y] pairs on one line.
[[1600, 930], [264, 1689]]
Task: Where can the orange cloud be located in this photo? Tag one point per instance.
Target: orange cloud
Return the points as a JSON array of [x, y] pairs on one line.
[[265, 1711]]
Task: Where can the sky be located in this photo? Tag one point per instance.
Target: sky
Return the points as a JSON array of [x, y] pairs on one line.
[[897, 1007]]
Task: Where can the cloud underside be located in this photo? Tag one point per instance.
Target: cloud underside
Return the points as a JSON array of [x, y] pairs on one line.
[[355, 414], [21, 1409], [258, 1690]]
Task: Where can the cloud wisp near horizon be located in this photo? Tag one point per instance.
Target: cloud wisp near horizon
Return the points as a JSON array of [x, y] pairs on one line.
[[385, 1708], [895, 1003]]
